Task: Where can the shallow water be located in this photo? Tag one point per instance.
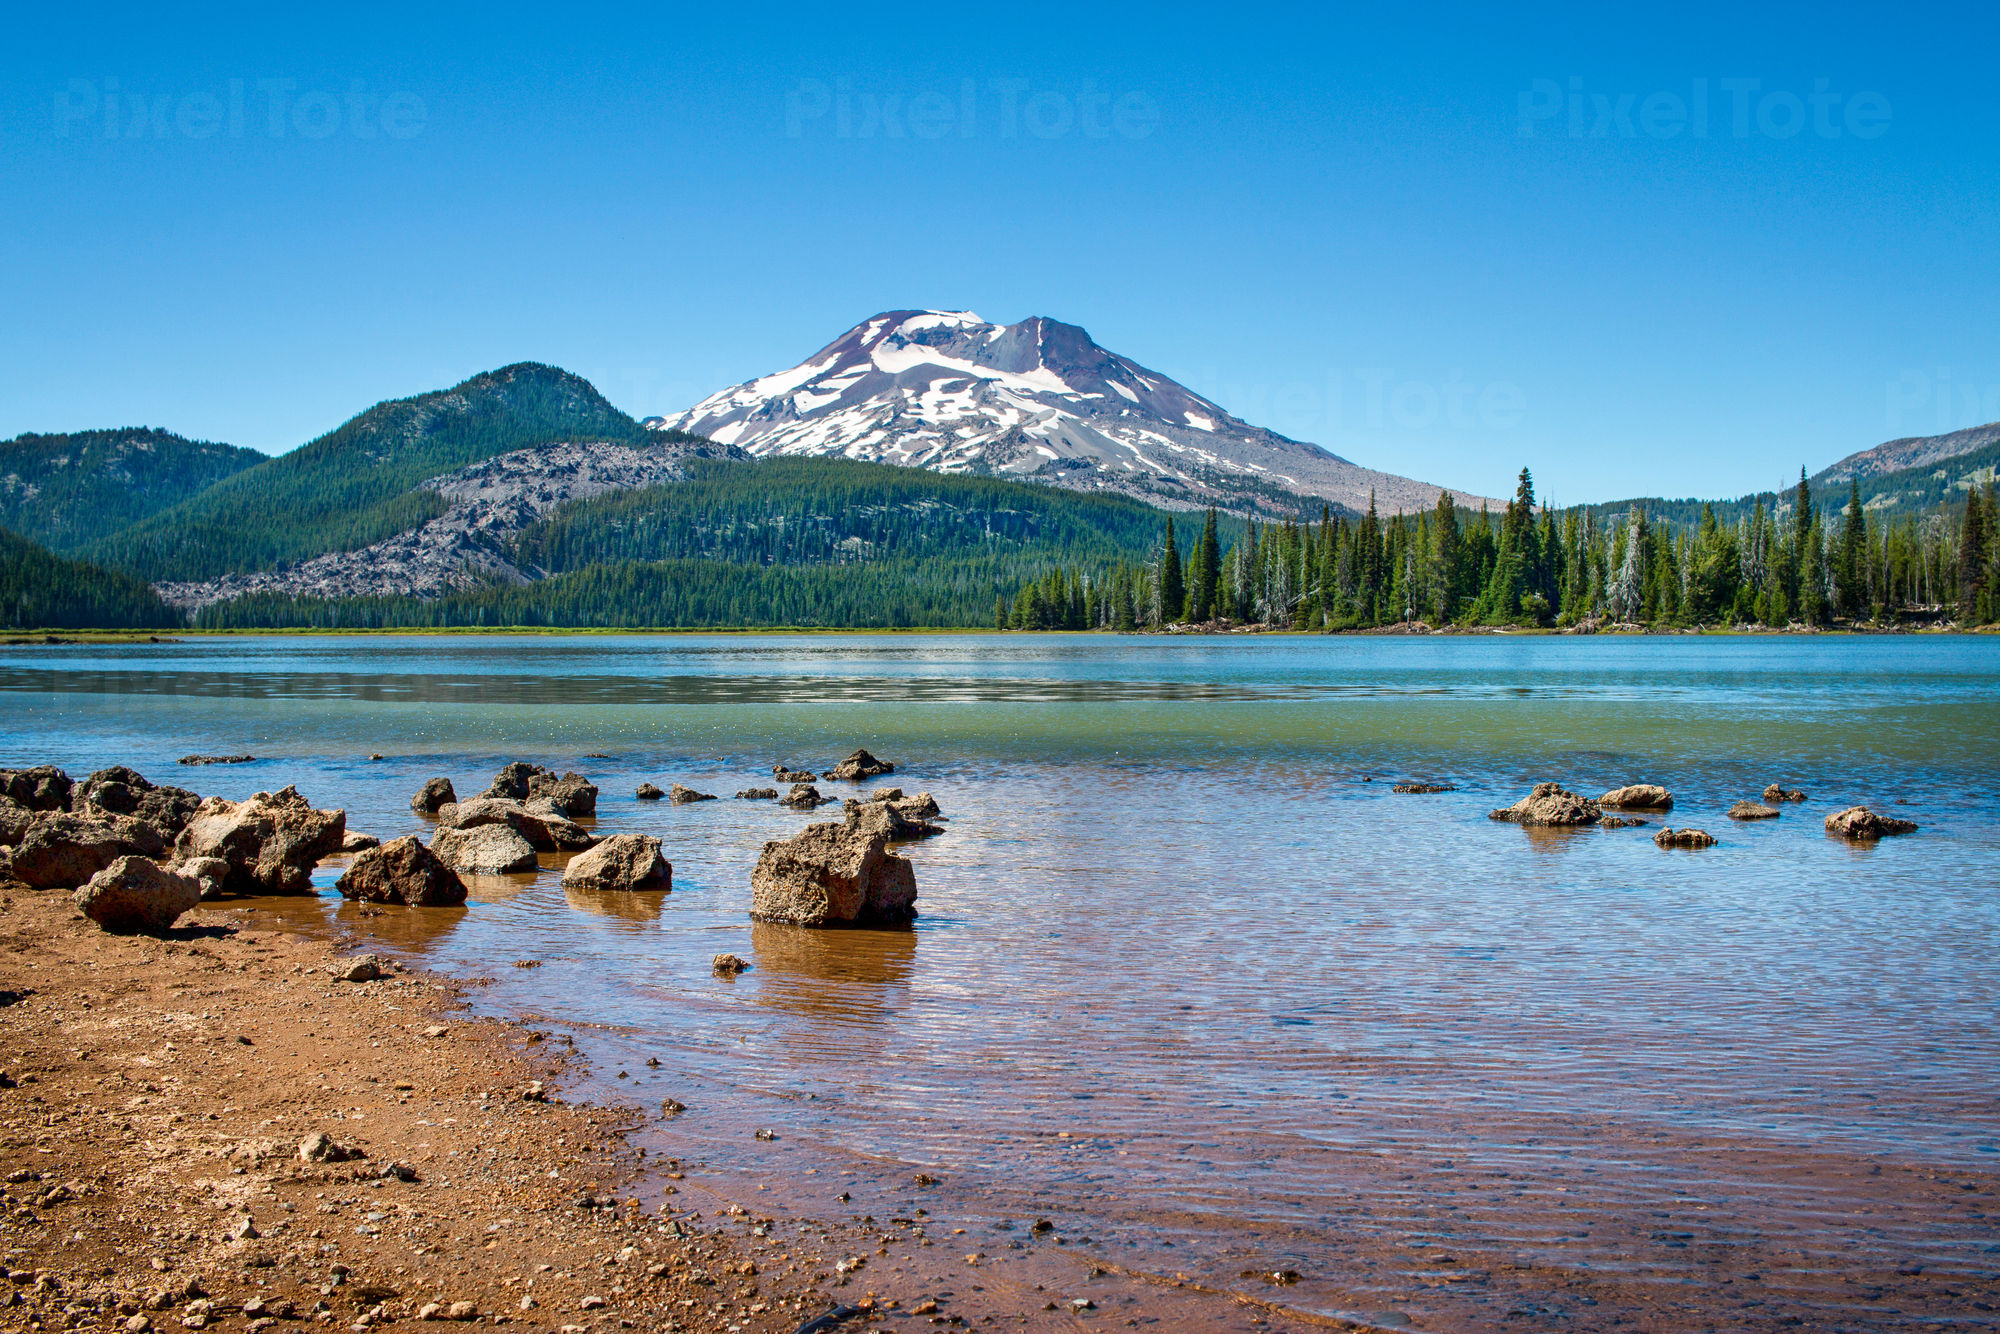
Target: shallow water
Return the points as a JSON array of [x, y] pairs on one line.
[[1190, 980]]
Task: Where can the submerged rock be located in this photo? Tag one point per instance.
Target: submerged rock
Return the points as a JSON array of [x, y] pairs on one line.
[[1638, 797], [647, 792], [682, 796], [271, 842], [829, 875], [1550, 804], [433, 796], [1424, 788], [1751, 810], [758, 794], [728, 965], [858, 766], [787, 775], [61, 851], [1862, 825], [403, 871], [217, 759], [1622, 822], [1776, 793], [137, 894], [487, 849], [1684, 838], [621, 862]]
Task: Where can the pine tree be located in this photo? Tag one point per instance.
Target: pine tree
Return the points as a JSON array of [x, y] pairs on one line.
[[1850, 571], [1207, 571], [1173, 584], [1972, 543]]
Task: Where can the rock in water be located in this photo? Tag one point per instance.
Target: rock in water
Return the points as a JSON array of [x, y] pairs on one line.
[[353, 842], [42, 788], [572, 794], [433, 796], [1423, 789], [137, 894], [1549, 804], [62, 851], [511, 783], [1621, 822], [1638, 797], [803, 797], [1857, 823], [682, 796], [1751, 810], [831, 876], [647, 792], [758, 794], [404, 871], [487, 849], [888, 820], [729, 965], [271, 842], [1776, 793], [858, 766], [788, 775], [621, 862], [543, 826], [1684, 838]]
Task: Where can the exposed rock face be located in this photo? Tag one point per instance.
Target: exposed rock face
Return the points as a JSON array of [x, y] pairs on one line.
[[1638, 797], [271, 842], [1549, 804], [648, 792], [542, 826], [42, 788], [1751, 810], [1776, 793], [1856, 822], [62, 851], [15, 819], [487, 849], [758, 794], [1424, 788], [137, 894], [404, 871], [621, 862], [684, 795], [803, 797], [433, 796], [831, 876], [1684, 838], [123, 791], [793, 776], [858, 766]]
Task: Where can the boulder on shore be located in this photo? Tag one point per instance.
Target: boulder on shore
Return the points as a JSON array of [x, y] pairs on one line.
[[682, 796], [433, 796], [1638, 797], [15, 819], [858, 766], [211, 873], [137, 894], [547, 829], [487, 849], [123, 791], [648, 792], [621, 862], [829, 875], [42, 788], [1776, 793], [271, 842], [803, 797], [1753, 810], [403, 871], [1550, 804], [1684, 838], [61, 850], [1856, 822]]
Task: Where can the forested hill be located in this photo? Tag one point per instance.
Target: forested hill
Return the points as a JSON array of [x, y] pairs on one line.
[[43, 591], [358, 484], [67, 490]]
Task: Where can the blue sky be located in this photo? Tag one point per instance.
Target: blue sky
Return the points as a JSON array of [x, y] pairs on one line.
[[1440, 241]]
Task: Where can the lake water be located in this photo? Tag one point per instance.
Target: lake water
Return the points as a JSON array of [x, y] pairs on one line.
[[1190, 981]]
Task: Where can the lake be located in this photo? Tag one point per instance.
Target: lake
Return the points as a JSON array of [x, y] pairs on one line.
[[1191, 982]]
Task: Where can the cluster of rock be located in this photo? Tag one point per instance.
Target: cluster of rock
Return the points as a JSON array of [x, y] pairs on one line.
[[528, 811], [1554, 806]]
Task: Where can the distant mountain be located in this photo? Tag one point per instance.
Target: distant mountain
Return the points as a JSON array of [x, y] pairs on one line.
[[40, 590], [64, 491], [360, 484], [1915, 451], [1037, 400]]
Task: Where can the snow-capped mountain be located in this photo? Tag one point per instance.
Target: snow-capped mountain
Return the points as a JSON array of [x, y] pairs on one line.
[[1037, 400]]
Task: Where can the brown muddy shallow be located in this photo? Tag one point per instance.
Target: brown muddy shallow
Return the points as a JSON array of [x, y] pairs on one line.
[[1191, 984]]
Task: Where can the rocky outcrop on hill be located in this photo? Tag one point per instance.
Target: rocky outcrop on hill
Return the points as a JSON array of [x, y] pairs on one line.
[[1862, 825], [487, 505], [830, 875], [402, 871], [1550, 804], [137, 894], [270, 842], [623, 862]]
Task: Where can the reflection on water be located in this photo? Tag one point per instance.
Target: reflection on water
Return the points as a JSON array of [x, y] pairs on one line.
[[1283, 1016]]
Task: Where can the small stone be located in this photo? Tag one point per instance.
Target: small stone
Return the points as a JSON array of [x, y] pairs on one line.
[[461, 1311], [647, 792], [361, 968], [1776, 793], [1684, 838], [672, 1107], [138, 1324], [244, 1230], [767, 1134], [683, 796], [430, 1311], [320, 1147], [1751, 810], [1082, 1304], [928, 1306], [591, 1304], [529, 1303], [729, 965]]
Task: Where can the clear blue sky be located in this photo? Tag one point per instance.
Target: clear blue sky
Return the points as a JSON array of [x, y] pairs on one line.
[[1386, 234]]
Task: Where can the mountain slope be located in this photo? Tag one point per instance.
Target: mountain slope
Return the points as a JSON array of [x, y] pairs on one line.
[[40, 590], [1915, 451], [358, 484], [70, 489], [1037, 400]]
